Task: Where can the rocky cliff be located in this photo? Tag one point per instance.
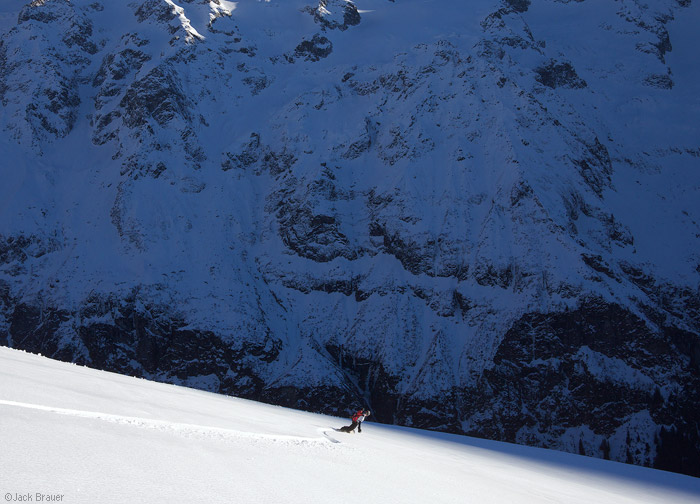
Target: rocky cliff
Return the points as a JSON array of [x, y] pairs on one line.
[[475, 218]]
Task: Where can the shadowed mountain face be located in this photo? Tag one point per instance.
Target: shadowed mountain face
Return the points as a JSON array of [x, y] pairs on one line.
[[480, 219]]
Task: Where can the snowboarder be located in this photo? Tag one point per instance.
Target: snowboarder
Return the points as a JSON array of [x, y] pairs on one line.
[[357, 420]]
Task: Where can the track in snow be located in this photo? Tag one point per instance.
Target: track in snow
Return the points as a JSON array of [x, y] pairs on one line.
[[183, 429]]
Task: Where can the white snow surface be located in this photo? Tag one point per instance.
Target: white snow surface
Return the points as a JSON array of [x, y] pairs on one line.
[[93, 436]]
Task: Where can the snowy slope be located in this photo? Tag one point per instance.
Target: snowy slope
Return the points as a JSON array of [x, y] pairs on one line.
[[478, 217], [94, 436]]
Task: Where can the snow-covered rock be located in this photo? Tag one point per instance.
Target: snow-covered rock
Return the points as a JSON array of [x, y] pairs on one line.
[[476, 218]]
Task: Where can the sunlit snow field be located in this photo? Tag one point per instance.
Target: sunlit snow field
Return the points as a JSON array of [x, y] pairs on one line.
[[98, 437]]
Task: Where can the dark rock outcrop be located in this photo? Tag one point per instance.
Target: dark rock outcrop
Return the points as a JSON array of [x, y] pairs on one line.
[[317, 48], [336, 14], [555, 75]]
